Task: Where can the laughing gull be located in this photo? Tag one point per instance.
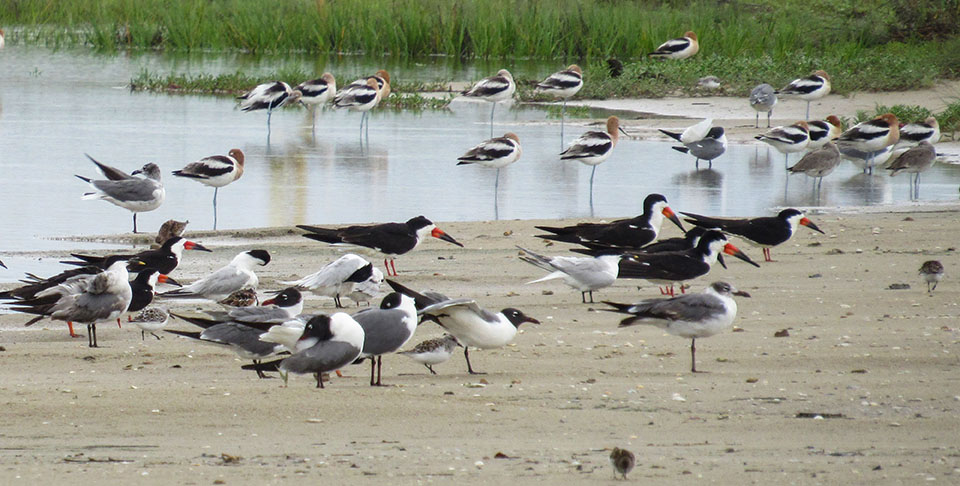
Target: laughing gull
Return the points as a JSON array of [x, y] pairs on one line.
[[564, 85], [390, 239], [689, 316], [932, 273], [336, 279], [433, 351], [693, 133], [215, 171], [241, 338], [150, 320], [467, 321], [237, 275], [494, 89], [328, 343], [679, 48], [711, 146], [268, 96], [386, 329], [810, 88], [585, 274], [136, 194], [763, 98], [367, 290], [165, 259], [765, 232], [622, 461], [631, 233]]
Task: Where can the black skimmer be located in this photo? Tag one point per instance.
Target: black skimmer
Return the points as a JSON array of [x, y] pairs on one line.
[[763, 98], [243, 339], [362, 98], [679, 243], [669, 268], [215, 171], [689, 316], [135, 194], [336, 279], [367, 290], [268, 96], [679, 48], [386, 329], [788, 139], [584, 274], [824, 131], [630, 233], [317, 92], [236, 275], [914, 160], [282, 307], [765, 232], [593, 148], [810, 88], [914, 133], [622, 461], [495, 153], [150, 319], [493, 89], [433, 351], [328, 343], [932, 273], [165, 259], [713, 145], [390, 239], [472, 325], [564, 85], [818, 163], [871, 136], [143, 287]]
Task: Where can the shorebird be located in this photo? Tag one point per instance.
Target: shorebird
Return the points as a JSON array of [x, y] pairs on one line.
[[709, 83], [165, 259], [472, 325], [362, 98], [914, 133], [367, 290], [268, 96], [433, 351], [386, 329], [914, 161], [824, 131], [866, 161], [236, 275], [564, 85], [818, 163], [679, 48], [788, 139], [134, 194], [632, 233], [240, 298], [592, 148], [871, 136], [317, 92], [810, 88], [215, 171], [693, 133], [494, 89], [495, 153], [932, 273], [713, 145], [336, 279], [584, 274], [1, 39], [763, 98], [622, 461], [765, 232], [382, 77], [689, 316], [150, 319], [390, 239], [282, 307], [243, 339]]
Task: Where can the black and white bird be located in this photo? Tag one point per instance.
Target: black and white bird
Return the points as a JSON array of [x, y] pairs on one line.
[[871, 137], [632, 233], [693, 133], [317, 92], [711, 146], [564, 85], [144, 287], [390, 239], [165, 259], [367, 290], [433, 351], [336, 279], [932, 273], [914, 160], [689, 316], [472, 325], [135, 194], [818, 163], [386, 329], [495, 153], [285, 305], [763, 98], [824, 131], [679, 48], [765, 232], [236, 275], [215, 171], [622, 461], [914, 133], [584, 274], [810, 88], [362, 98], [242, 338], [268, 96], [494, 89], [787, 139], [594, 147]]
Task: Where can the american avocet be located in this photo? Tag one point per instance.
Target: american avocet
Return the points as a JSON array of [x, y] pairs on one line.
[[932, 273], [765, 232], [914, 133], [823, 131], [236, 275], [317, 92], [914, 161], [563, 84], [362, 98], [268, 96], [872, 135], [135, 194], [713, 145], [390, 239], [818, 163], [810, 88], [1, 39], [679, 48], [592, 148], [763, 98], [215, 171], [383, 83], [494, 89], [584, 274], [866, 161], [788, 139], [495, 153]]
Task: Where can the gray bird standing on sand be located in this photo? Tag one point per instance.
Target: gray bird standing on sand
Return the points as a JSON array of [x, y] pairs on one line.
[[762, 98], [135, 194]]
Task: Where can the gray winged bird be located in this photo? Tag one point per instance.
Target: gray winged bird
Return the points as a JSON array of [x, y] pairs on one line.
[[689, 316], [336, 279], [136, 194], [237, 275], [585, 274], [763, 98], [386, 329], [819, 163]]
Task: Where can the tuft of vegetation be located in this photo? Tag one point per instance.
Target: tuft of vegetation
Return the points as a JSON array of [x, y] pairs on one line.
[[949, 118]]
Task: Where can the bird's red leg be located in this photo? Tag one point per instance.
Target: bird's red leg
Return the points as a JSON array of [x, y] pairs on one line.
[[118, 323], [339, 374], [670, 293], [766, 255], [72, 334]]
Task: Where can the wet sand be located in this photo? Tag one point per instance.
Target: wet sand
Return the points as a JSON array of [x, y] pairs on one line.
[[878, 365]]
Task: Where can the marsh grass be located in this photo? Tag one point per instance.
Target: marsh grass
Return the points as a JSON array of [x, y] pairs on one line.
[[949, 118]]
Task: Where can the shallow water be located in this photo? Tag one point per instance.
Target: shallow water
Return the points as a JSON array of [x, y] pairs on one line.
[[56, 106]]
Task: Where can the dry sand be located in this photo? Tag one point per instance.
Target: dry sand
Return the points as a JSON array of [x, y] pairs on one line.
[[884, 362]]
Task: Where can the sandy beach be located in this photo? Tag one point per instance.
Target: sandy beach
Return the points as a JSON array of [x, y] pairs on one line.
[[878, 366]]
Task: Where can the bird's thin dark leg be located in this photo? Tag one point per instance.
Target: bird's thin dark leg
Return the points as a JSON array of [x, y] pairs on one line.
[[215, 189], [373, 366], [319, 380], [430, 368], [693, 355], [134, 223], [379, 366], [466, 354]]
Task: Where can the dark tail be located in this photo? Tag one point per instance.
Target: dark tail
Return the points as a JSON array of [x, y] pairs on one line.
[[673, 135]]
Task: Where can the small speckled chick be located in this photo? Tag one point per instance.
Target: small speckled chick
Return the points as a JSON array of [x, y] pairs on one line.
[[932, 273], [623, 462]]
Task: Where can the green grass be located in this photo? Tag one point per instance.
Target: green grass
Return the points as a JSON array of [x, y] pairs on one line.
[[949, 118]]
